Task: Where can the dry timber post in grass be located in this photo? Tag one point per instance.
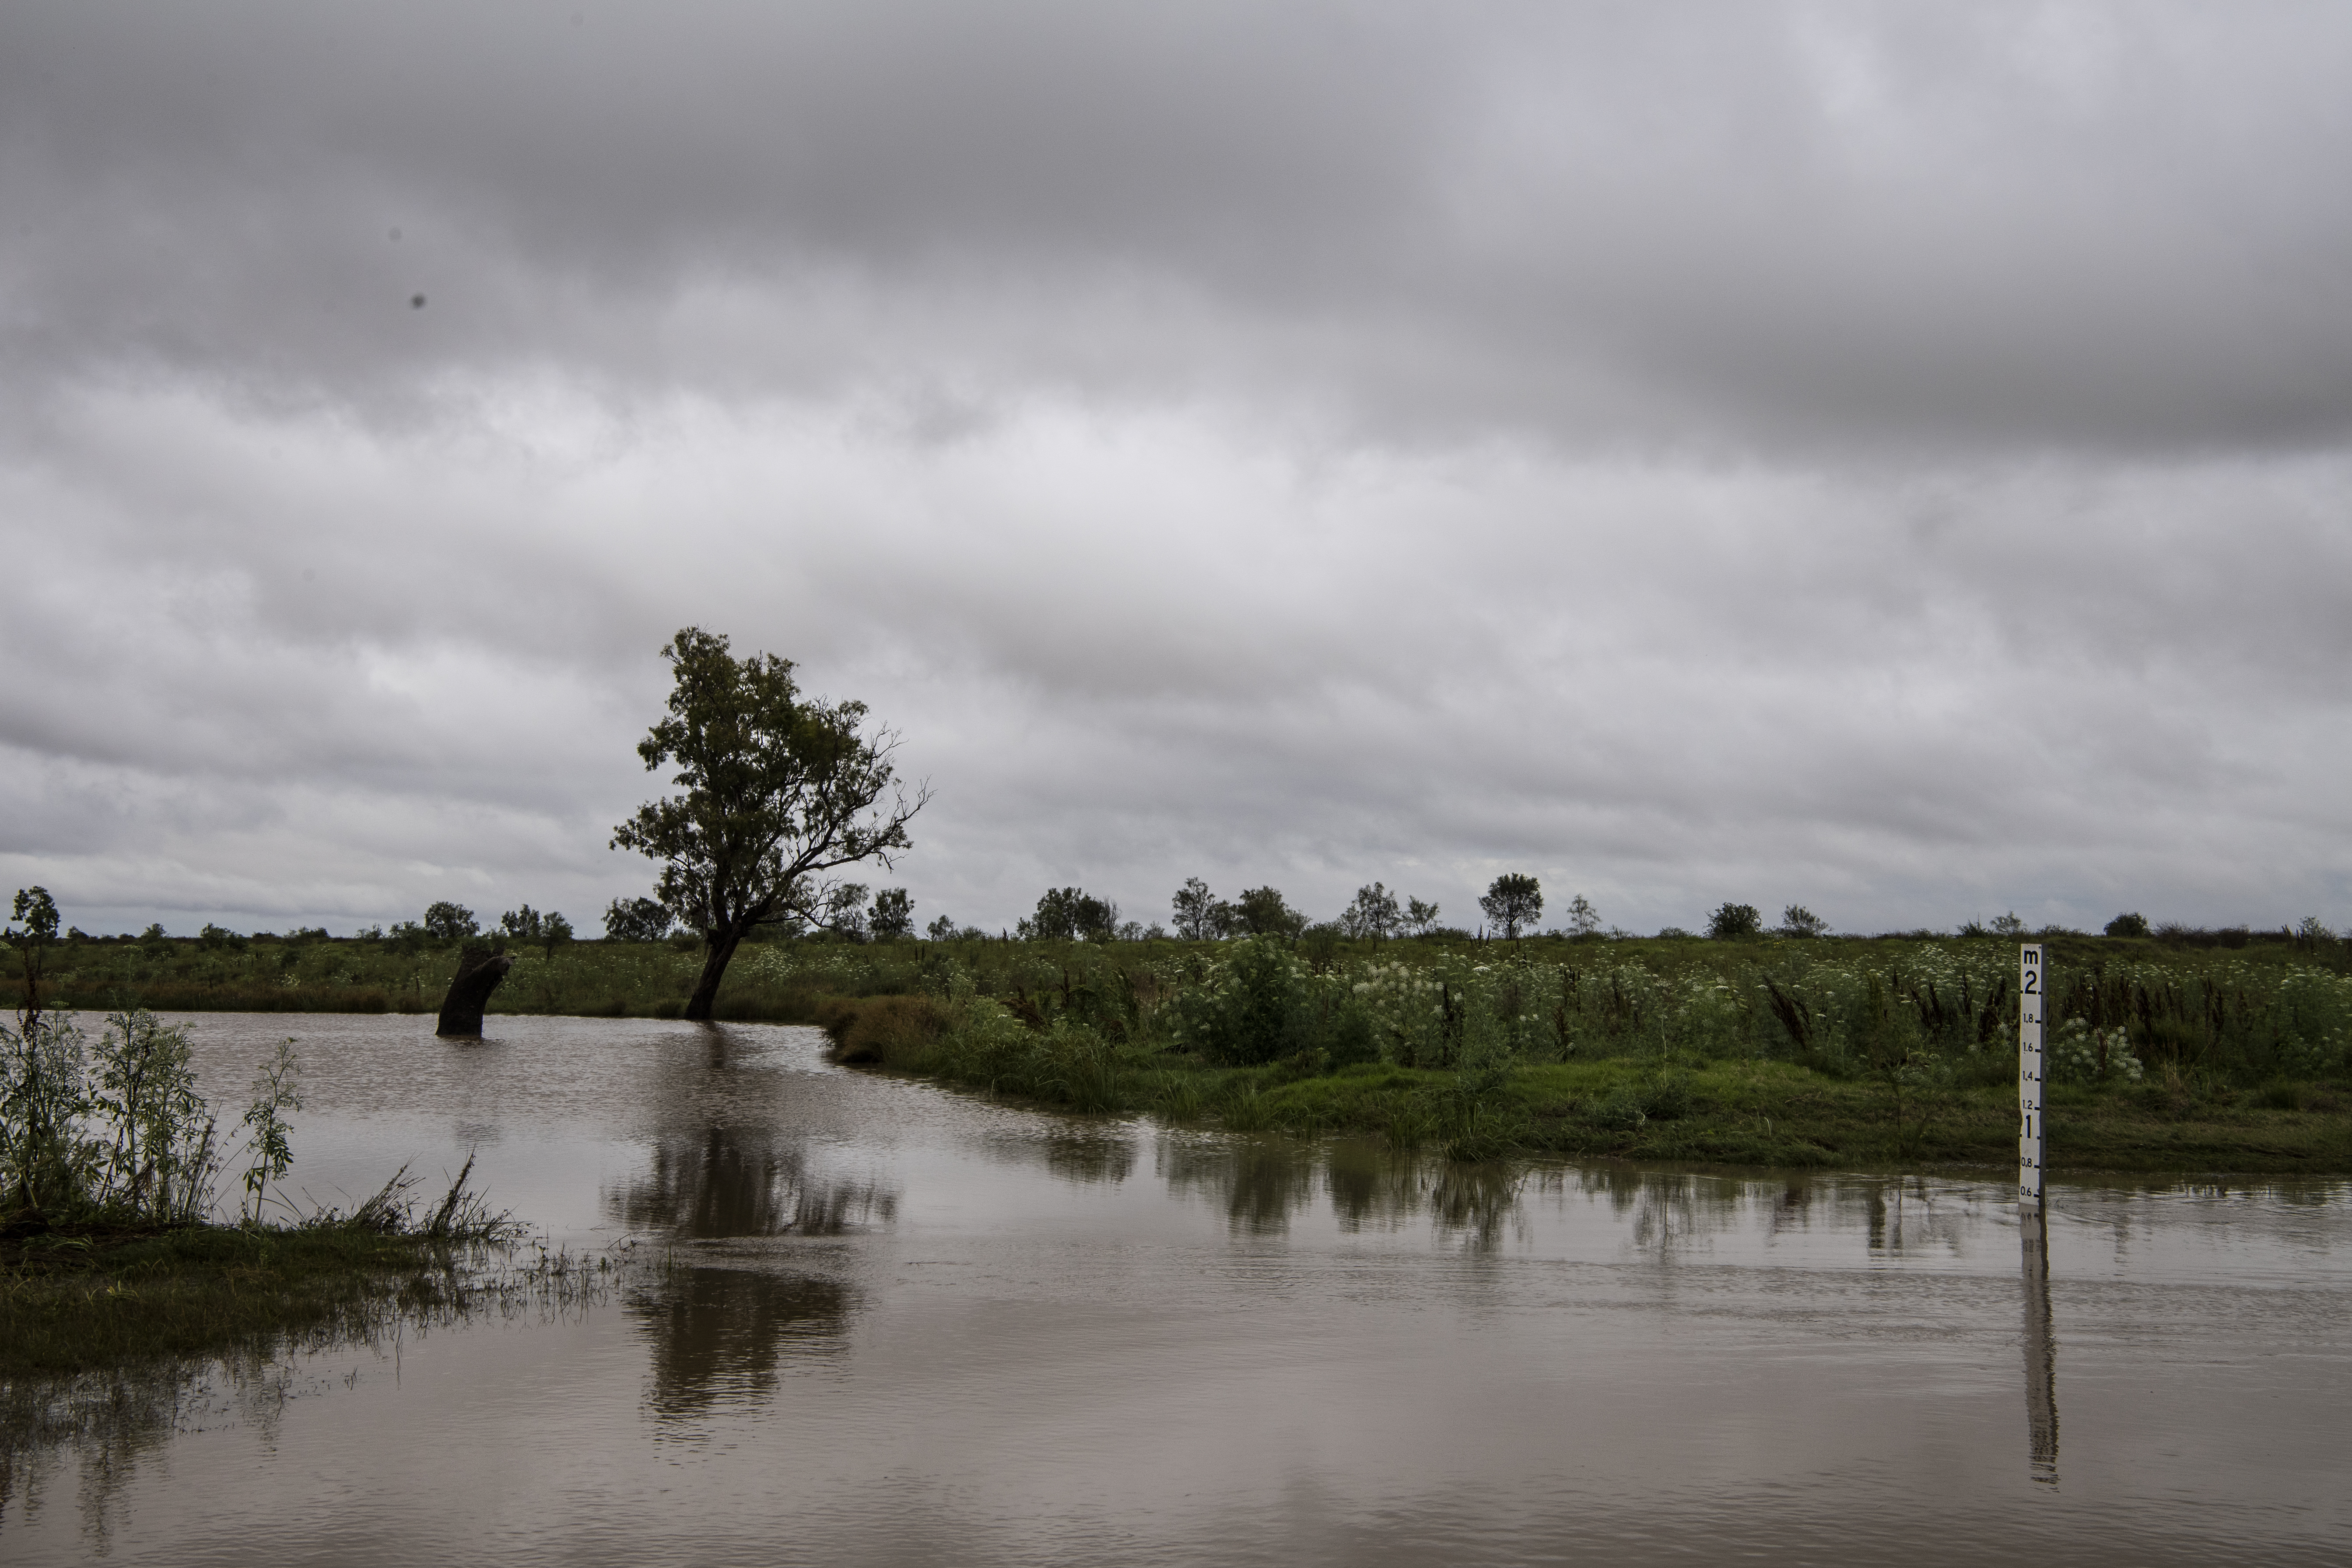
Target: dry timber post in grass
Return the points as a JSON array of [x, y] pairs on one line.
[[2032, 1129], [479, 970]]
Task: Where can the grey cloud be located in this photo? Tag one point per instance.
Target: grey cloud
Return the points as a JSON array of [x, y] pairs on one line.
[[2020, 223], [1889, 460]]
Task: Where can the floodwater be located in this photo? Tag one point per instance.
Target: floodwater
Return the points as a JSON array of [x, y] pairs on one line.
[[889, 1323]]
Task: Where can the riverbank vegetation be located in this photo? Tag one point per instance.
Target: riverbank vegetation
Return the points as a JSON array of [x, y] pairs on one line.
[[116, 1237], [1767, 1053], [2212, 1051]]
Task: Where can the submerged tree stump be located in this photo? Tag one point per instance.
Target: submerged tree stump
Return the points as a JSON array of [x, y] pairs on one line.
[[480, 967]]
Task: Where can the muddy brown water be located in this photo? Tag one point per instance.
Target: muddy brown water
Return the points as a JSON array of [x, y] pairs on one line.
[[899, 1324]]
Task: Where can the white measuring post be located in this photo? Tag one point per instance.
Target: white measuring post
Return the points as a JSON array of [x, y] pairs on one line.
[[2032, 1131]]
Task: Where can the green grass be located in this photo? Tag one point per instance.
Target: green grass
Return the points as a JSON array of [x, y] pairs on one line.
[[78, 1302], [1739, 1113], [1771, 1033]]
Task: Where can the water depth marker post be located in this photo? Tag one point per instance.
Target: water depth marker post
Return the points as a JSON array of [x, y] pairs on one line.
[[2032, 1131]]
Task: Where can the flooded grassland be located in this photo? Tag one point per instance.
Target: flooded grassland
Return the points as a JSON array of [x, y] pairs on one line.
[[866, 1319]]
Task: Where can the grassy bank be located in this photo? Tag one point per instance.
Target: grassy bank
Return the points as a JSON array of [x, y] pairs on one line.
[[783, 982], [84, 1299], [2208, 1051], [1744, 1111]]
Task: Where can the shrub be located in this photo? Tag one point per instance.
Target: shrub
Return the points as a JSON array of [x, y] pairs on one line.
[[883, 1031], [1253, 1009], [1798, 920], [1731, 922], [2127, 925]]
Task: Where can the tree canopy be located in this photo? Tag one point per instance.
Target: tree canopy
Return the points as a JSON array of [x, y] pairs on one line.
[[777, 791], [1512, 900], [1072, 914]]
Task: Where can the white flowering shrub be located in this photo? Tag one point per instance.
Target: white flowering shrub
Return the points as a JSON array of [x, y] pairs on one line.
[[2080, 1053]]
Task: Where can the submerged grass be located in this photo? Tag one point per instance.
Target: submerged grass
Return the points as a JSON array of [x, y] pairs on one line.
[[80, 1298], [111, 1343]]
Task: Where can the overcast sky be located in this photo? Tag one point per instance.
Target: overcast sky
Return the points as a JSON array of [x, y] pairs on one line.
[[1894, 458]]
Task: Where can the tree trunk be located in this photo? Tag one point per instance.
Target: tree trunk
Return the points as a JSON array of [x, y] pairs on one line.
[[716, 958], [479, 970]]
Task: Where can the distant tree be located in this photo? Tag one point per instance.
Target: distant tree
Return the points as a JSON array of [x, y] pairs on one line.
[[1419, 916], [214, 938], [549, 931], [448, 923], [1798, 920], [153, 936], [1731, 922], [636, 920], [845, 912], [1260, 912], [32, 933], [1071, 914], [1583, 920], [1513, 901], [2006, 925], [2314, 932], [1372, 914], [942, 929], [892, 916], [2127, 925], [779, 791], [1196, 911]]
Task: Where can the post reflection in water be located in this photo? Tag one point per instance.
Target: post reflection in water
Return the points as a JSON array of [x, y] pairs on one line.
[[2040, 1350]]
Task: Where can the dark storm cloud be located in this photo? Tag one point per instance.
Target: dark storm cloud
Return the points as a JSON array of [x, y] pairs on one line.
[[1893, 459]]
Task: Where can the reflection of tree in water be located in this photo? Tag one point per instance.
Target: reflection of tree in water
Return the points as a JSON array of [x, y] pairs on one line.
[[1093, 1159], [1371, 1186], [721, 1334], [1478, 1202], [733, 1181], [1261, 1182], [1670, 1209], [112, 1420], [1903, 1215]]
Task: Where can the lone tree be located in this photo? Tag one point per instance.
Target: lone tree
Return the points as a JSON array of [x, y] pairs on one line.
[[777, 792], [1196, 911], [448, 923], [1373, 914], [892, 916], [636, 920], [1731, 923], [1071, 914], [1583, 920], [1512, 900], [1260, 912], [1798, 920]]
